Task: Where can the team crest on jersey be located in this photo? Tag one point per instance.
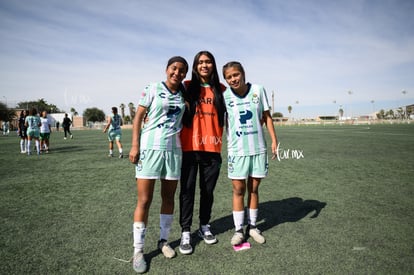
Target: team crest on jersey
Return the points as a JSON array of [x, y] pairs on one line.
[[255, 99]]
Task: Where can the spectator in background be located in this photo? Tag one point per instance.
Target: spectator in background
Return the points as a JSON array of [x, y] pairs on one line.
[[22, 131], [5, 128], [66, 126]]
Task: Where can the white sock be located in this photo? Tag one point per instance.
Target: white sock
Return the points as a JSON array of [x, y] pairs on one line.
[[29, 143], [165, 226], [37, 145], [110, 152], [22, 145], [120, 151], [138, 229], [253, 216], [238, 218]]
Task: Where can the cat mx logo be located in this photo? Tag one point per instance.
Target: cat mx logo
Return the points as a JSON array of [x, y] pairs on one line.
[[245, 116]]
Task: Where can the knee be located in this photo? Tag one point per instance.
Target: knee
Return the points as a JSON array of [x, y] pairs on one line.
[[238, 191], [144, 203]]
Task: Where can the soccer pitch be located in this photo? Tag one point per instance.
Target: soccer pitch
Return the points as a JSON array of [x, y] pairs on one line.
[[338, 201]]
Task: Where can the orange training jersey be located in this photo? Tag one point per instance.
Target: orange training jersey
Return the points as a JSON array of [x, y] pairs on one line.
[[205, 133]]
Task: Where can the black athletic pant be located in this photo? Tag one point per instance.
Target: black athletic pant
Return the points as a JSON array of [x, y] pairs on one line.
[[208, 164], [67, 130]]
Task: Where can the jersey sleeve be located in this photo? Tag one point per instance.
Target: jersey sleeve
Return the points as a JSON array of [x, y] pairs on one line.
[[265, 101], [147, 96]]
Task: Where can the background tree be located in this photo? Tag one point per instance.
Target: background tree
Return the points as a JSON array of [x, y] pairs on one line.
[[277, 114], [341, 112], [127, 119], [6, 114], [289, 109], [131, 110], [381, 114], [390, 114], [122, 107], [40, 105], [400, 113], [94, 115], [74, 112]]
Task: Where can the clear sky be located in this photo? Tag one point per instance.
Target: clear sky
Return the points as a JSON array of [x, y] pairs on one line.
[[315, 55]]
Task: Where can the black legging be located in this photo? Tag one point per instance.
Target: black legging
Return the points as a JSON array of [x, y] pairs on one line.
[[67, 130], [208, 165]]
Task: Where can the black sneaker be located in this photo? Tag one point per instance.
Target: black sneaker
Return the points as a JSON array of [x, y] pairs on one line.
[[185, 244], [205, 233]]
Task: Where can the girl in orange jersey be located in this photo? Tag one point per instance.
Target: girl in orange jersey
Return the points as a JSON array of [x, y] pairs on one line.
[[201, 139]]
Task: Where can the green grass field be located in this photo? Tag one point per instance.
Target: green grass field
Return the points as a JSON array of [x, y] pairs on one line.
[[339, 202]]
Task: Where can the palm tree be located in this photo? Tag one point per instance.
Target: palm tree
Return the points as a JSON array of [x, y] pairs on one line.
[[289, 109], [73, 111], [131, 110], [122, 107], [341, 112]]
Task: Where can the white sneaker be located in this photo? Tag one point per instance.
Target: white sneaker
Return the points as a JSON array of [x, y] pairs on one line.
[[237, 238], [205, 233], [256, 235], [185, 244], [166, 249], [138, 263]]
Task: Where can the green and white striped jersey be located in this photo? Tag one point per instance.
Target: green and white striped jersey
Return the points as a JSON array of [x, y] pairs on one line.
[[245, 135], [164, 118], [116, 122], [33, 122]]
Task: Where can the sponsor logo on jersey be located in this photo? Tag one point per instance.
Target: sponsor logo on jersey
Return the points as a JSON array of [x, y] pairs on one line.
[[245, 116]]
